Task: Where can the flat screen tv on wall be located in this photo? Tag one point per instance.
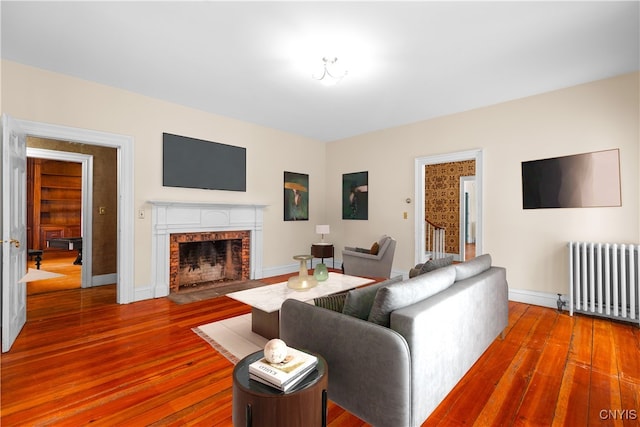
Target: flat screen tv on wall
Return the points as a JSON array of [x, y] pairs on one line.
[[195, 163]]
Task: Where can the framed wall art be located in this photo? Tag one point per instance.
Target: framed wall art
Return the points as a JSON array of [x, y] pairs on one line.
[[355, 195], [577, 181], [296, 196]]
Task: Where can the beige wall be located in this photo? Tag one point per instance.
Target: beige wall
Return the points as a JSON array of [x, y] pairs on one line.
[[530, 243], [33, 94]]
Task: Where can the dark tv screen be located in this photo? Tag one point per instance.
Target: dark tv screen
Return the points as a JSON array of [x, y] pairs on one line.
[[195, 163]]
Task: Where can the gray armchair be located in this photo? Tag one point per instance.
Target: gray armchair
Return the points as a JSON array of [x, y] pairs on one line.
[[361, 262]]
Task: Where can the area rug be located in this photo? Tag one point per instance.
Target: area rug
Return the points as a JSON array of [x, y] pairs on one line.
[[232, 337], [205, 294]]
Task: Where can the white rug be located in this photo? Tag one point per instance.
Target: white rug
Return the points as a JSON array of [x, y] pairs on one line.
[[232, 337]]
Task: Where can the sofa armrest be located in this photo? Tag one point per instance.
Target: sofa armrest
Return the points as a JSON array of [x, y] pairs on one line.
[[369, 365]]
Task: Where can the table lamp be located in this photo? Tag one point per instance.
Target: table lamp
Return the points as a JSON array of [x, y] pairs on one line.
[[322, 230]]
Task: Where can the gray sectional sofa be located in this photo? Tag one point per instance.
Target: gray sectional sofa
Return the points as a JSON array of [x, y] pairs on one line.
[[399, 347]]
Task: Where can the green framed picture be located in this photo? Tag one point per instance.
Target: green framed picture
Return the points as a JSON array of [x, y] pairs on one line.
[[355, 195], [296, 196]]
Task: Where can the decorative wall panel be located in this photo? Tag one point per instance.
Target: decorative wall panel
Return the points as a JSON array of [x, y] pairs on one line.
[[442, 198]]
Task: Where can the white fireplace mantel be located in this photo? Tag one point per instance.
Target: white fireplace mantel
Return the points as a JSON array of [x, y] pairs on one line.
[[193, 217]]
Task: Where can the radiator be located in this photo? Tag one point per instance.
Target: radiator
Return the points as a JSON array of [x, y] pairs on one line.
[[603, 280]]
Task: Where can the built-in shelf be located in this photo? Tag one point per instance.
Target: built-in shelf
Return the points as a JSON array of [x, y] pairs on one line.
[[54, 207]]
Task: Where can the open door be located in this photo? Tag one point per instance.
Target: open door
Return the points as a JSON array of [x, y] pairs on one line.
[[14, 231]]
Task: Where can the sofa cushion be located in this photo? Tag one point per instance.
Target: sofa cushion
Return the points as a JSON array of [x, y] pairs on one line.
[[434, 264], [358, 301], [472, 267], [392, 297]]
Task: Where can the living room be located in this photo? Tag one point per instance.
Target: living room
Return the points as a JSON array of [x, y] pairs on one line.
[[591, 116]]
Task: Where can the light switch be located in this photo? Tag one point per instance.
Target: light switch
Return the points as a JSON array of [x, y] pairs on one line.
[[405, 215], [102, 210]]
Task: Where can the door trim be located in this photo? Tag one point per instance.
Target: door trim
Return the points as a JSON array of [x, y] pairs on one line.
[[87, 202], [420, 163], [125, 231], [463, 216]]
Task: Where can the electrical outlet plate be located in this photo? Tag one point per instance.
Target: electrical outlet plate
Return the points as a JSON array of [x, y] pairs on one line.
[[141, 214]]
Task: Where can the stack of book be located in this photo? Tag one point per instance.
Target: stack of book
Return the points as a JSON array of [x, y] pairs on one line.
[[293, 369]]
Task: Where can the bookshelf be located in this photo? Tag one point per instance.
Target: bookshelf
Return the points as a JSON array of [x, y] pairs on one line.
[[55, 208]]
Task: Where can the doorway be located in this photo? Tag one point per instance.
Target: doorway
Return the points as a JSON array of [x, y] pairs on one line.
[[420, 198], [123, 145], [59, 200], [467, 217]]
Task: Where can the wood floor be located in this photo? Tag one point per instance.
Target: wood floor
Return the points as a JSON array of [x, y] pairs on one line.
[[60, 262], [83, 359]]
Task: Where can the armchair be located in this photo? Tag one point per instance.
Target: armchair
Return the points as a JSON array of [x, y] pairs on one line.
[[362, 262]]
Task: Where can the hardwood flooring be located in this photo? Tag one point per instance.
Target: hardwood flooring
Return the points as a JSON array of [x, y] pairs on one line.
[[83, 359], [60, 262]]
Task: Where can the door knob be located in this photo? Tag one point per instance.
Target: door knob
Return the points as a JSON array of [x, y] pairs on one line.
[[14, 241]]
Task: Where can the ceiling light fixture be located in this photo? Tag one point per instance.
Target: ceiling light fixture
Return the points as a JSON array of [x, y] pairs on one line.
[[331, 73]]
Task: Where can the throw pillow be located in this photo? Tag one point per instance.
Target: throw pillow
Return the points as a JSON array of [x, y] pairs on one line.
[[434, 264], [358, 301], [331, 302], [399, 295], [415, 270], [374, 248], [472, 267]]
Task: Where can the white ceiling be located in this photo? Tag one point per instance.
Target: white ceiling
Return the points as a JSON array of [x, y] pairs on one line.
[[407, 61]]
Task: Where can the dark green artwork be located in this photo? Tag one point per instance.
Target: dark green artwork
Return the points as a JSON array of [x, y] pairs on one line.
[[355, 195], [296, 196]]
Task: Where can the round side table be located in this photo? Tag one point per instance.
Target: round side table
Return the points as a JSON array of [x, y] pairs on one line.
[[256, 404]]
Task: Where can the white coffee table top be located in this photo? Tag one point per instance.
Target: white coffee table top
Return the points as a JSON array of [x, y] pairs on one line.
[[269, 298]]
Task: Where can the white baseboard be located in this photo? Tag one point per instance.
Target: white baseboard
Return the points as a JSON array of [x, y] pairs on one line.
[[542, 299], [142, 293], [282, 269], [104, 279]]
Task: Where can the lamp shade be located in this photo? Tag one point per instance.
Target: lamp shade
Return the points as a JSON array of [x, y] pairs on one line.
[[322, 229]]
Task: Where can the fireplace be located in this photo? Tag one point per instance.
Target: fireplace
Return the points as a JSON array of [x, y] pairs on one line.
[[234, 229], [206, 260]]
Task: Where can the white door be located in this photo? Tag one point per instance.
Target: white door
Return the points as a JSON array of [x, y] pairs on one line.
[[14, 231]]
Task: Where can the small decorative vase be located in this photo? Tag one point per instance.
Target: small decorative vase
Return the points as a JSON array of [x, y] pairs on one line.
[[321, 273], [302, 282]]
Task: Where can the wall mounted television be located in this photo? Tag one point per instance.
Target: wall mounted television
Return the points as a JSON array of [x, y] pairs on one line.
[[577, 181], [196, 163]]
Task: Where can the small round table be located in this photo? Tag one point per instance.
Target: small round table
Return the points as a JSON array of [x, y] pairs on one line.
[[256, 404]]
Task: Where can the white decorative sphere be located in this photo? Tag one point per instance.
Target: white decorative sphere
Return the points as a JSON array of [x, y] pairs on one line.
[[275, 351]]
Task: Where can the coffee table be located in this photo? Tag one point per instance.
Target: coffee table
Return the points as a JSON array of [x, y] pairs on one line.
[[266, 301]]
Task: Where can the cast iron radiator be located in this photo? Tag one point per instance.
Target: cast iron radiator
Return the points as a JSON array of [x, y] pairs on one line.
[[603, 280]]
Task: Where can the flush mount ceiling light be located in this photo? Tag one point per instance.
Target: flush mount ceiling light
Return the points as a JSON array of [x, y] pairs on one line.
[[331, 73]]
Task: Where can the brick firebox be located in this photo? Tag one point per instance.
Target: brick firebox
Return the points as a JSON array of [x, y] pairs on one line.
[[236, 260]]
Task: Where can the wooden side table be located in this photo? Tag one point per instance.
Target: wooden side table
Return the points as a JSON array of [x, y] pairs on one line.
[[319, 250], [256, 404]]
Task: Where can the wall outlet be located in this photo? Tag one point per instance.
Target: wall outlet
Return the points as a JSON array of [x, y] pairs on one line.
[[141, 214]]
